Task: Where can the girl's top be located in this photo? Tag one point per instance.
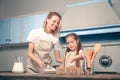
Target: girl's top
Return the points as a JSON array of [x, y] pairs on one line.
[[43, 44], [68, 56]]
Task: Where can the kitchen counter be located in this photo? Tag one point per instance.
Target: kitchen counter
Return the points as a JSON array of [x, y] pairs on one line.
[[24, 76]]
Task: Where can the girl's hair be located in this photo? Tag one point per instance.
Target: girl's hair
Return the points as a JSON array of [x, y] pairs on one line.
[[49, 16], [79, 46]]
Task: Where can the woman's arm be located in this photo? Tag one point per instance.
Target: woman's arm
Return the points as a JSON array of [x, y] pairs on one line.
[[31, 56], [57, 56]]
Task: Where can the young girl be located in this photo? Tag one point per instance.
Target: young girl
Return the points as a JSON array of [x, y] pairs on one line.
[[73, 54], [74, 51]]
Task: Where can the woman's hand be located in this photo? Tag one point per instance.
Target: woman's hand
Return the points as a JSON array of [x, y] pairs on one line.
[[41, 64], [31, 56]]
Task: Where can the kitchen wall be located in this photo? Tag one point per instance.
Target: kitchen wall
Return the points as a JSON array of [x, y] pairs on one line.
[[89, 15], [8, 55], [21, 7], [9, 8], [1, 9], [115, 6]]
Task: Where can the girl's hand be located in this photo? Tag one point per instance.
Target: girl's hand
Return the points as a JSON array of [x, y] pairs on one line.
[[72, 59]]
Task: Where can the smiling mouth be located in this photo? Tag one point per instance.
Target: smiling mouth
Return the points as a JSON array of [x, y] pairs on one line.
[[71, 47]]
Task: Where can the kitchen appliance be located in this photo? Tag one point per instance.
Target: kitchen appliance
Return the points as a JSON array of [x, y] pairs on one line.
[[108, 60]]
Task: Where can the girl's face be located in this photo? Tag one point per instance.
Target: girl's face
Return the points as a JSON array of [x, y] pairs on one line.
[[71, 43], [53, 23]]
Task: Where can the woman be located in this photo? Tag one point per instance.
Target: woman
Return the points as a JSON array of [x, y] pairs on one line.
[[42, 41]]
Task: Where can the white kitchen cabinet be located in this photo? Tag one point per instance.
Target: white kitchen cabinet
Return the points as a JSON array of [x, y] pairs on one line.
[[4, 31], [10, 30], [15, 30]]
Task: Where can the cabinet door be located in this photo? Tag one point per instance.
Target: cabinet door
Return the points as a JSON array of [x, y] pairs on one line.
[[39, 19], [28, 25], [4, 31], [15, 30], [31, 22]]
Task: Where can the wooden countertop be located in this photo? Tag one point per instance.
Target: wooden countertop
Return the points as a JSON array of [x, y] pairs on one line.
[[38, 75]]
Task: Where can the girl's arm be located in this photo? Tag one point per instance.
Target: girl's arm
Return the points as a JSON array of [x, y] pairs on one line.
[[76, 57], [31, 56], [79, 56]]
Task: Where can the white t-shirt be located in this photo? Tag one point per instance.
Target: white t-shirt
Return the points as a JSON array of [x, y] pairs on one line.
[[41, 35]]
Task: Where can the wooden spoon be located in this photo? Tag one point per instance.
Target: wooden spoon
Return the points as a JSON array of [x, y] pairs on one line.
[[89, 54], [97, 47]]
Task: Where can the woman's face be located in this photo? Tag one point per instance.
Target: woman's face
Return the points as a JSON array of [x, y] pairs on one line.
[[71, 43], [53, 23]]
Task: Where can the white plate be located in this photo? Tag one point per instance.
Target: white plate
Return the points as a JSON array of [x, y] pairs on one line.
[[51, 70]]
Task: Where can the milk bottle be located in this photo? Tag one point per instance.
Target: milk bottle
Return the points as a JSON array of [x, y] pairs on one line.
[[18, 65]]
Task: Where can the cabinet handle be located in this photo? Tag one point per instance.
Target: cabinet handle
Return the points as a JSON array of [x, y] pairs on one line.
[[9, 40], [6, 40]]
